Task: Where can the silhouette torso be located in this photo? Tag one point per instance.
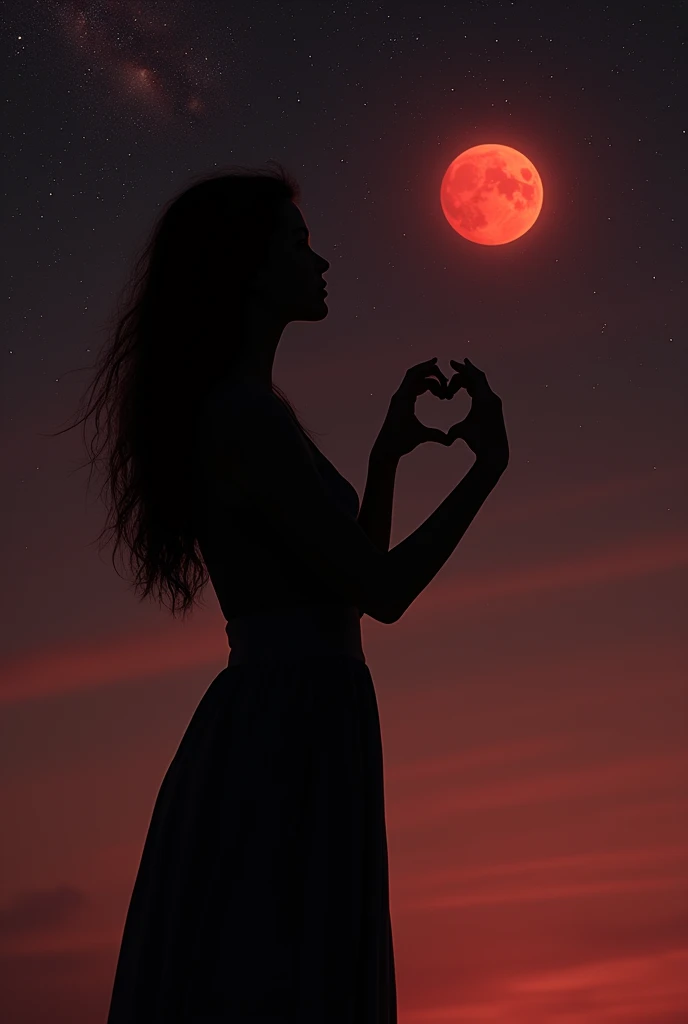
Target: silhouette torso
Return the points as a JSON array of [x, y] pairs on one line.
[[251, 568]]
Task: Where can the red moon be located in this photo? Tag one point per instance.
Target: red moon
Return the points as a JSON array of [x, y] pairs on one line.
[[491, 194]]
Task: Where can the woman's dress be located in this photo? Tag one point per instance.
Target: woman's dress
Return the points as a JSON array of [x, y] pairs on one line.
[[262, 892]]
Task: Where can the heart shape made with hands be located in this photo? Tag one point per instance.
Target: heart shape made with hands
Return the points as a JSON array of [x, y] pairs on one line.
[[402, 431], [445, 388]]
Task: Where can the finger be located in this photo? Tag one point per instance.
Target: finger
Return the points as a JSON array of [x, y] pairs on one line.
[[425, 369], [443, 380], [457, 363], [419, 380], [422, 366], [473, 378], [441, 376], [428, 365], [456, 430], [438, 389], [433, 434], [473, 368], [415, 374], [455, 384]]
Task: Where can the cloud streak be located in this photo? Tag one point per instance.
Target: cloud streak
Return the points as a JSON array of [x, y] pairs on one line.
[[34, 674]]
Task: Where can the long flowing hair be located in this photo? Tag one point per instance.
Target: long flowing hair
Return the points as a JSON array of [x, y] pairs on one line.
[[170, 337]]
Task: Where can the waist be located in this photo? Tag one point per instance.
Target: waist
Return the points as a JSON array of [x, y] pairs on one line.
[[311, 631]]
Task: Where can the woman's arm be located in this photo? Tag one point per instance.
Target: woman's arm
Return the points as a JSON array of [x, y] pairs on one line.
[[375, 515]]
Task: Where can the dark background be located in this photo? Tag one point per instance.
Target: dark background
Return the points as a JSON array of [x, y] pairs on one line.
[[533, 700]]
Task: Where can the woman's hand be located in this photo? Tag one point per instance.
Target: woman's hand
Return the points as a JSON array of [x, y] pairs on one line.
[[402, 431], [483, 429]]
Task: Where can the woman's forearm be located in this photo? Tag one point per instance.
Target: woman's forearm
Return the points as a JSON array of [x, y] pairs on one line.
[[375, 515], [413, 563]]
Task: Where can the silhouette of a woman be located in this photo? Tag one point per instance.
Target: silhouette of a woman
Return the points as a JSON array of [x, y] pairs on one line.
[[262, 892]]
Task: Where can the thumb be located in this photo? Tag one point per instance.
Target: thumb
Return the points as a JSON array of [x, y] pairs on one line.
[[434, 434], [455, 431]]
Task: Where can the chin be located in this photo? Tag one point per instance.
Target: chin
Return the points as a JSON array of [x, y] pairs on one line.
[[311, 310], [319, 311]]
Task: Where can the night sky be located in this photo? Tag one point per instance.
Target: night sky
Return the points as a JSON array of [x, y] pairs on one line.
[[533, 699]]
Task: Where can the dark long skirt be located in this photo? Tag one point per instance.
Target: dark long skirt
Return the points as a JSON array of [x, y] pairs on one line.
[[262, 893]]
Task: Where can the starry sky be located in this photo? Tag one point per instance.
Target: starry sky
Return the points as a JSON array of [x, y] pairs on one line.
[[533, 700]]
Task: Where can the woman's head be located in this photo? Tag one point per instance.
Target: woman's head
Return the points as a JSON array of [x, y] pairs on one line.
[[221, 249], [226, 248], [289, 285]]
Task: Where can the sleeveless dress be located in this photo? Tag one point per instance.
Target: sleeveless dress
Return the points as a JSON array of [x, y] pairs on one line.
[[262, 893]]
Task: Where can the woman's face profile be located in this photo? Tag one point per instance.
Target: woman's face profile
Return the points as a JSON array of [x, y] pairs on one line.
[[291, 282]]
